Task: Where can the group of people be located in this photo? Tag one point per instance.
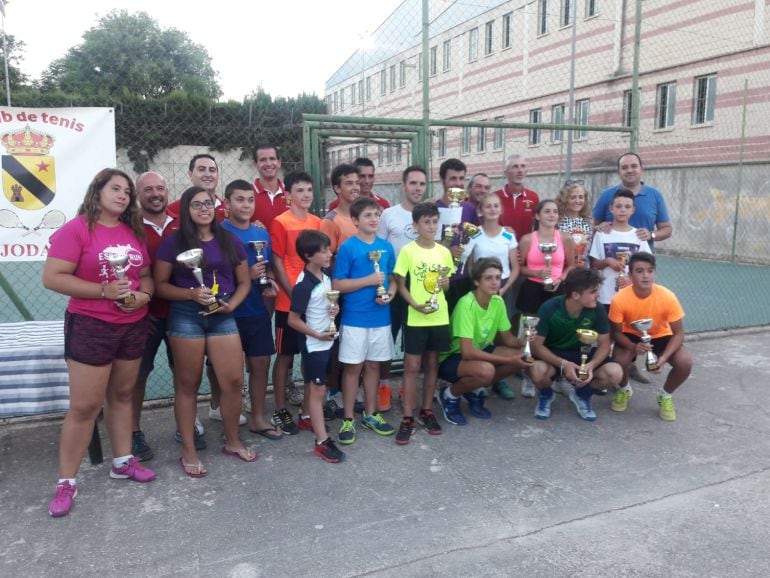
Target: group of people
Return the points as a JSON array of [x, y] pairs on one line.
[[497, 284]]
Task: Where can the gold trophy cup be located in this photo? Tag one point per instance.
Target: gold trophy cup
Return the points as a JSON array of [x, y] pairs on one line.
[[650, 359], [456, 196], [431, 284], [588, 339], [374, 257], [333, 296], [529, 324], [259, 246], [548, 249], [118, 263], [192, 259], [622, 257]]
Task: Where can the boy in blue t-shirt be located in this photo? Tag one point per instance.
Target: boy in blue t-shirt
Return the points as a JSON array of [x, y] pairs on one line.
[[251, 316], [365, 338]]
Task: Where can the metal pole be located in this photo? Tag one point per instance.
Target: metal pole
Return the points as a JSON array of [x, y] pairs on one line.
[[5, 60], [635, 96], [740, 169], [426, 142], [571, 99]]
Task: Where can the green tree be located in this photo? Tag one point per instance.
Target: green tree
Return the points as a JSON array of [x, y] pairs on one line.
[[15, 51], [131, 55]]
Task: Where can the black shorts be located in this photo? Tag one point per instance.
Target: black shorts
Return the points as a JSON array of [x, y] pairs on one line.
[[659, 344], [418, 340], [532, 295], [447, 369], [573, 355], [317, 365], [95, 342], [256, 335], [398, 312], [286, 339], [155, 336]]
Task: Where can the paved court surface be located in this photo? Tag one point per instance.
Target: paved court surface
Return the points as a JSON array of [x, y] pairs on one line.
[[628, 495]]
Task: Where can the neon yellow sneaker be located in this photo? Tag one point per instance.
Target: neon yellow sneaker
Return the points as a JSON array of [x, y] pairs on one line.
[[620, 401], [667, 411]]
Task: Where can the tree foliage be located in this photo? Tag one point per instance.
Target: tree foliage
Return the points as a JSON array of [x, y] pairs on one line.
[[15, 51], [131, 55]]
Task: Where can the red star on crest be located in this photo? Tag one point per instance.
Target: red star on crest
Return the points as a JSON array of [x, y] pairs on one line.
[[42, 167]]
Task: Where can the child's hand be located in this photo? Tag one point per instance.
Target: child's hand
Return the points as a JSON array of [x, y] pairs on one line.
[[443, 282], [376, 278], [424, 308]]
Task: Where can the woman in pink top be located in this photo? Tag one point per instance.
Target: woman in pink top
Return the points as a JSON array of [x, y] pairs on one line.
[[534, 292], [105, 326]]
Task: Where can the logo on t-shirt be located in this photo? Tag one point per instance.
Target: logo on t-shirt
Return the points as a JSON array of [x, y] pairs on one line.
[[409, 232]]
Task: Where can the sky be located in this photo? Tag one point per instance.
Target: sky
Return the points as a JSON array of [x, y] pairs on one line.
[[285, 47]]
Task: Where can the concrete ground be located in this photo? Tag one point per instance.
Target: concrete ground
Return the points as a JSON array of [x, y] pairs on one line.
[[628, 495]]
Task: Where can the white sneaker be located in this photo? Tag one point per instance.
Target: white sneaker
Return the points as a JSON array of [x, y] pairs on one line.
[[562, 386], [199, 426], [527, 387], [216, 414]]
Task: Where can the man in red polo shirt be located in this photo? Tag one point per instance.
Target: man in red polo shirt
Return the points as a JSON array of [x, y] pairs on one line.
[[365, 183], [270, 194], [203, 172], [519, 203]]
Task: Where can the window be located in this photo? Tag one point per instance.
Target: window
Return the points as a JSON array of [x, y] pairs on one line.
[[342, 99], [466, 143], [592, 8], [447, 60], [333, 158], [433, 60], [366, 151], [419, 67], [336, 101], [350, 155], [380, 156], [507, 29], [627, 107], [582, 108], [473, 44], [535, 116], [402, 74], [704, 97], [665, 105], [389, 148], [361, 91], [489, 38], [542, 17], [353, 94], [565, 18], [398, 153], [557, 117], [392, 77], [329, 104], [368, 88], [481, 139], [442, 142], [499, 134], [383, 82]]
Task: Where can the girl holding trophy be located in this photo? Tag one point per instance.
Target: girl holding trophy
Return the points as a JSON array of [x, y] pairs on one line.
[[100, 261], [202, 269]]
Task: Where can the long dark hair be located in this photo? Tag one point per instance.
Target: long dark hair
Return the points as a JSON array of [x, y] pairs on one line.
[[187, 237], [92, 208], [540, 206]]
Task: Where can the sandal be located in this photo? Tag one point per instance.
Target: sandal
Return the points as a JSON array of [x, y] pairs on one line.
[[193, 470], [245, 454], [270, 433]]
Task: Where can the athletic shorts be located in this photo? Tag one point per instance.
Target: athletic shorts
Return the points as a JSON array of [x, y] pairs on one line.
[[95, 342], [573, 355], [359, 344], [417, 340], [156, 336], [286, 339], [256, 335], [398, 314], [447, 369], [317, 365], [659, 344], [532, 295], [185, 320]]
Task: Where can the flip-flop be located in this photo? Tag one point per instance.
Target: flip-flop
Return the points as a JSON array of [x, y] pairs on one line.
[[269, 433], [239, 454], [193, 470]]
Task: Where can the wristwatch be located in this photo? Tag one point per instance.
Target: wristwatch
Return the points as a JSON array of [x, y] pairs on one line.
[[652, 235]]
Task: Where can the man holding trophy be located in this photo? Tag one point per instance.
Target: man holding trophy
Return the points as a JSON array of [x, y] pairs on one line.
[[646, 319]]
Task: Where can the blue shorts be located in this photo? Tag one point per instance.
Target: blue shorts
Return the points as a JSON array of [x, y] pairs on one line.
[[317, 365], [256, 335], [185, 320], [447, 369], [156, 336]]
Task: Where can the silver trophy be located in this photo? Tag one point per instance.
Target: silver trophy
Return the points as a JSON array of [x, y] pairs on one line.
[[118, 263], [192, 259], [642, 326], [529, 324], [259, 246], [333, 296], [548, 249]]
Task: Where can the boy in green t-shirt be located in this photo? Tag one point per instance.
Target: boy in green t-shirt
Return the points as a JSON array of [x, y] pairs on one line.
[[422, 273], [484, 351]]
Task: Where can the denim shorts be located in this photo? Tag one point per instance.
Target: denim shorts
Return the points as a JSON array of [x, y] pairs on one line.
[[185, 320]]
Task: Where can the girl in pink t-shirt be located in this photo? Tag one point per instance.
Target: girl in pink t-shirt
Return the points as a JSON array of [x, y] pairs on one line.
[[105, 326]]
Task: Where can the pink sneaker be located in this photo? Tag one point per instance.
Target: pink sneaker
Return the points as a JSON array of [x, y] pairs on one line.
[[62, 500], [132, 470]]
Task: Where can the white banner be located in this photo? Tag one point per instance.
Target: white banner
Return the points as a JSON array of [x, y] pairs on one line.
[[49, 157]]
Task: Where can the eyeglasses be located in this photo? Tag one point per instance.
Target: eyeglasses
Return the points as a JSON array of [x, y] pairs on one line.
[[570, 182], [198, 205]]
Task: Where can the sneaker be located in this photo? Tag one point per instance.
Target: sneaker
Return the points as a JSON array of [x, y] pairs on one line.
[[428, 420], [583, 406], [620, 400], [452, 411], [216, 414], [132, 470], [527, 387], [476, 406], [332, 411], [667, 411], [284, 420], [544, 402], [62, 499], [636, 375], [502, 389], [377, 424], [405, 431], [384, 394], [562, 386], [140, 448], [347, 433], [328, 452], [305, 423], [200, 441], [294, 395]]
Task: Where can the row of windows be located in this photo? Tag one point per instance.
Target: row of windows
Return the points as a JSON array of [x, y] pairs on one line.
[[703, 103], [558, 116], [566, 7]]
